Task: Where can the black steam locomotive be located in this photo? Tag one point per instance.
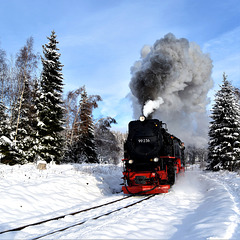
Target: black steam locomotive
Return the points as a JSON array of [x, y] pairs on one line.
[[152, 157]]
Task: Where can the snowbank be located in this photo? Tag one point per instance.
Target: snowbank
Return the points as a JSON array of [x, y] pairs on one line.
[[27, 192], [201, 205]]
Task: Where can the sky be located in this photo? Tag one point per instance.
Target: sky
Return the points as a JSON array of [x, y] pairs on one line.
[[100, 40]]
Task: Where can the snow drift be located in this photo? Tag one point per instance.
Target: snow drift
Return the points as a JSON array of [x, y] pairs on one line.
[[201, 205]]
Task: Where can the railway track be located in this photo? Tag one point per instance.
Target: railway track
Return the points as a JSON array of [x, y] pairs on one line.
[[79, 221]]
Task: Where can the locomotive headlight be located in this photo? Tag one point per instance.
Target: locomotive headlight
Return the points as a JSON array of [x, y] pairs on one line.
[[142, 118], [130, 161], [156, 159]]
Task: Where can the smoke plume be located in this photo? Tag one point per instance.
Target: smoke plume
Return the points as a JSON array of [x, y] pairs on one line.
[[170, 82], [150, 106]]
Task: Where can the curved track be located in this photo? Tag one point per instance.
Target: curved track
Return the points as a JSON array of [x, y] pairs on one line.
[[93, 217]]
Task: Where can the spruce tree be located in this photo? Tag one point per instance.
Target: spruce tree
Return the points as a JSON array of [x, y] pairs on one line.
[[3, 119], [84, 146], [50, 106], [106, 142], [33, 119], [224, 132], [5, 142], [21, 125]]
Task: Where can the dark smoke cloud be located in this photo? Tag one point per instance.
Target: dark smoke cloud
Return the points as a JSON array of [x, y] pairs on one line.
[[151, 78], [171, 81]]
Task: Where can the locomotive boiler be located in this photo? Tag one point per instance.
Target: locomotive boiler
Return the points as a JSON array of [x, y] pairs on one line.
[[152, 157]]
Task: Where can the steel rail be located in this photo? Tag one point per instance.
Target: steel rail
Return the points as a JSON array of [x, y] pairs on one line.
[[62, 216], [94, 218]]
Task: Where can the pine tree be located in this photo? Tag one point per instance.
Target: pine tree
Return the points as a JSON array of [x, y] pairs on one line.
[[106, 142], [21, 125], [84, 147], [237, 93], [50, 106], [224, 132], [33, 119], [3, 119], [5, 142]]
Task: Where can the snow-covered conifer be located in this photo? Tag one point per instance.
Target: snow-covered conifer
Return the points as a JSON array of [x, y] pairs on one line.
[[224, 132], [5, 143], [21, 124], [3, 119], [106, 143], [50, 106], [84, 147], [237, 92], [33, 119]]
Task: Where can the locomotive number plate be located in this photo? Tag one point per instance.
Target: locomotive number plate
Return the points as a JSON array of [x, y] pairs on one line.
[[144, 140]]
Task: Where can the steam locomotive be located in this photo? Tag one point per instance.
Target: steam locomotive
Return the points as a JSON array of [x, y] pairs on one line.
[[152, 158]]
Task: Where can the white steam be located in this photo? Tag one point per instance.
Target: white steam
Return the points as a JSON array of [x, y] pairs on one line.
[[151, 105], [179, 73]]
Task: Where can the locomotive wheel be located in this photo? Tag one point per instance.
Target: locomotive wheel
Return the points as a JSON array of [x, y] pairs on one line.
[[171, 175]]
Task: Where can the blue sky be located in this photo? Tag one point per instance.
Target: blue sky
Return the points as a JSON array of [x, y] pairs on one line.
[[101, 39]]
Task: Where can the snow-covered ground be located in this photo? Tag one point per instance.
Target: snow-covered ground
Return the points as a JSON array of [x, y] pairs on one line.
[[201, 205]]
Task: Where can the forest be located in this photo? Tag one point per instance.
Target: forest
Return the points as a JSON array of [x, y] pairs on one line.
[[40, 122]]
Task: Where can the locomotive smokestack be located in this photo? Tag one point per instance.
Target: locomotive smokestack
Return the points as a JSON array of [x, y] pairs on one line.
[[171, 82]]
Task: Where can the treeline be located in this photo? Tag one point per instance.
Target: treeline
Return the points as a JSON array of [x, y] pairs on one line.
[[38, 123], [195, 155]]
